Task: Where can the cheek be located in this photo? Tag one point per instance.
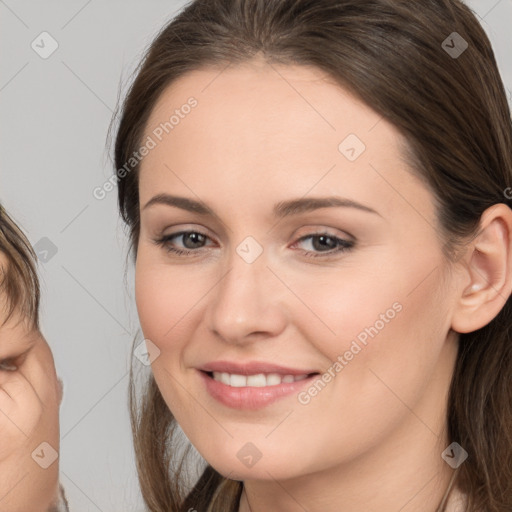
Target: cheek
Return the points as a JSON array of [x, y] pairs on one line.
[[168, 304], [166, 298], [154, 300], [391, 321], [344, 305], [389, 333]]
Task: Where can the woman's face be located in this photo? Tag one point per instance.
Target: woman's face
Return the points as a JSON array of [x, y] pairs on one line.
[[313, 252]]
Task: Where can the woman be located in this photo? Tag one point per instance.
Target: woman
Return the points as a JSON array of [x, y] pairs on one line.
[[316, 199]]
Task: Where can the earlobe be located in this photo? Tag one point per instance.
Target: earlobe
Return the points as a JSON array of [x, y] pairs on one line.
[[488, 267]]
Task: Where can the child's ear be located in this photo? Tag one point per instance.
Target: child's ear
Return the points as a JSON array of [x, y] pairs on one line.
[[487, 271]]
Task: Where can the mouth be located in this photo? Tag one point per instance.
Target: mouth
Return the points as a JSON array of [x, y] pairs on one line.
[[258, 380], [254, 391]]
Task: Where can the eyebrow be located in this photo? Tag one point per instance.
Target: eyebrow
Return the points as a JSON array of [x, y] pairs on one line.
[[281, 209], [28, 340]]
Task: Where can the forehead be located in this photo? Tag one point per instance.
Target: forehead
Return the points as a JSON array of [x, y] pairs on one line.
[[4, 299], [260, 128], [261, 106], [16, 333]]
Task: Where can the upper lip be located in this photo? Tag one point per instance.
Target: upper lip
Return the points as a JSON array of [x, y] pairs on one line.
[[252, 368]]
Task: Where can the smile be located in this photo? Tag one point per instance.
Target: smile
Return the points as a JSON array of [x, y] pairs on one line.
[[253, 391], [258, 380]]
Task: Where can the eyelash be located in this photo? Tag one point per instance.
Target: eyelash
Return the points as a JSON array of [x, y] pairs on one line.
[[344, 245], [7, 365]]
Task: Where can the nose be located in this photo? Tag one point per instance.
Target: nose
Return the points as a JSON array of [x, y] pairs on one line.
[[248, 304]]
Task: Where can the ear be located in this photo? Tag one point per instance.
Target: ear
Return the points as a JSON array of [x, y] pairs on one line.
[[487, 271]]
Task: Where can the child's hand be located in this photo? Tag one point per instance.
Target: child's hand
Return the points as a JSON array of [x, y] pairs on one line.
[[20, 411], [30, 396]]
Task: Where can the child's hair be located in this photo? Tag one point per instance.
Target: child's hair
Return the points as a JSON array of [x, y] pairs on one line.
[[447, 98], [19, 283]]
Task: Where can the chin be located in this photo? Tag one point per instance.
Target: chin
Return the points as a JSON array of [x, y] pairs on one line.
[[244, 464]]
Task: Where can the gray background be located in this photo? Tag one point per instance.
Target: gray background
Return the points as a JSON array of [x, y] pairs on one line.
[[55, 116]]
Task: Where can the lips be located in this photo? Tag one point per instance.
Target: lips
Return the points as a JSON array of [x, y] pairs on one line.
[[254, 368], [252, 385]]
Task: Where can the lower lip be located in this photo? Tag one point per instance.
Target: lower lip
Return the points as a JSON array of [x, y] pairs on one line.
[[252, 398]]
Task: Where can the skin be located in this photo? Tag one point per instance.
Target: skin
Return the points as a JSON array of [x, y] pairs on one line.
[[30, 395], [372, 438]]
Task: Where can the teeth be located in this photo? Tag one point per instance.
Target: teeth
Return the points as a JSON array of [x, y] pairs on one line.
[[255, 381], [237, 381], [273, 379]]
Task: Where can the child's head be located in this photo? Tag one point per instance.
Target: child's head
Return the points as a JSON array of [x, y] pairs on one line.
[[30, 392], [19, 284]]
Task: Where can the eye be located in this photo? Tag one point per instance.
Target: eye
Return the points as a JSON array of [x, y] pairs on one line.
[[324, 244], [191, 241], [320, 244], [8, 365]]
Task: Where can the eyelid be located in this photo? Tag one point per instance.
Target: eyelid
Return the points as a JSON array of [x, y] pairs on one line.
[[319, 229], [7, 365], [14, 361], [183, 232], [185, 229], [344, 243]]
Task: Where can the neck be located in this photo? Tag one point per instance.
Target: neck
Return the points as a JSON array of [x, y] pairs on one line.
[[405, 472], [408, 474]]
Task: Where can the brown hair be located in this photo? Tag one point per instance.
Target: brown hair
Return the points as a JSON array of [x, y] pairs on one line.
[[455, 117], [19, 283]]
